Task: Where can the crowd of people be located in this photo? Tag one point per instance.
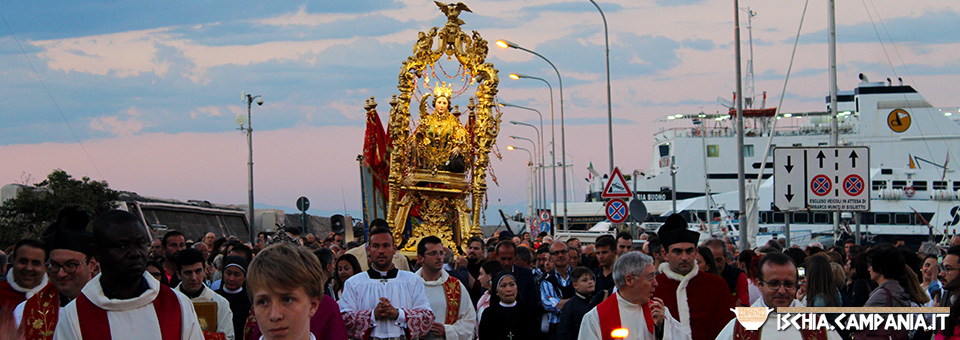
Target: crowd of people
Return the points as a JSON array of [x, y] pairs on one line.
[[114, 282]]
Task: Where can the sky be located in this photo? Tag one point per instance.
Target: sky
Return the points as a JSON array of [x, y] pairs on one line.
[[145, 94]]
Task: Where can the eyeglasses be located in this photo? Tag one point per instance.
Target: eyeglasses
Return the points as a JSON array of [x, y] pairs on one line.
[[70, 267], [776, 284], [558, 252]]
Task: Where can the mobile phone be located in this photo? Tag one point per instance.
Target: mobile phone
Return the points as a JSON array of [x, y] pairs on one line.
[[801, 272]]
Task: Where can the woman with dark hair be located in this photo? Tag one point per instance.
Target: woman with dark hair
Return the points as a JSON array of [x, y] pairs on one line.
[[487, 270], [748, 261], [859, 285], [931, 273], [347, 266], [507, 318], [706, 261], [889, 269], [820, 286], [155, 269]]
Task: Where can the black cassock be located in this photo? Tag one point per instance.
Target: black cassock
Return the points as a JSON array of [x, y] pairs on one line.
[[509, 323]]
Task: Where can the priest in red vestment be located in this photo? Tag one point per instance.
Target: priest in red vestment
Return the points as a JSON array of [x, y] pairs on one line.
[[692, 296], [70, 267]]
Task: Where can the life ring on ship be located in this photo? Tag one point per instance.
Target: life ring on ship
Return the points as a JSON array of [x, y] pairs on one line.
[[909, 191]]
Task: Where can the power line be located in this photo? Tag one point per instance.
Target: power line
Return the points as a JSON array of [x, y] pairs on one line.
[[50, 95]]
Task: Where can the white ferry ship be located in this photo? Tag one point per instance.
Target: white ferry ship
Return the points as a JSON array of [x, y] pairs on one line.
[[915, 186]]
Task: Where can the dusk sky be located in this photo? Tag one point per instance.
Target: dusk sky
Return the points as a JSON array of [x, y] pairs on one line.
[[144, 94]]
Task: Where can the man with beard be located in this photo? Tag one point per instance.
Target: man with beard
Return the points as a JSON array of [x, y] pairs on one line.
[[191, 272], [125, 302], [27, 275], [384, 302], [173, 242], [69, 266], [778, 285], [455, 317], [475, 257], [694, 297]]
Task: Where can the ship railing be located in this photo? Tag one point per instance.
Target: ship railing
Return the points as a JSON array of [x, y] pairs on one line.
[[721, 132]]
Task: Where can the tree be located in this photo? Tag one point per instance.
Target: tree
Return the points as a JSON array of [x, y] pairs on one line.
[[34, 209]]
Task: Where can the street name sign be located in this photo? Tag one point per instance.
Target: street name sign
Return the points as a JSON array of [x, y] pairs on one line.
[[834, 178]]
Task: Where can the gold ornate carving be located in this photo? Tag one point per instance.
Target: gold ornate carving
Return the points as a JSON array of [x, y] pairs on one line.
[[438, 169]]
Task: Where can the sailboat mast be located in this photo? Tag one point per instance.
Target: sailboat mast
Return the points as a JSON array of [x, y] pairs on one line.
[[741, 182]]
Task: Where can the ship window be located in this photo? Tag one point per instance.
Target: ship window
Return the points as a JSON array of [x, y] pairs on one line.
[[879, 185], [748, 150], [821, 217], [939, 185], [797, 144], [903, 219], [920, 185], [882, 218], [664, 150], [713, 150], [822, 144], [956, 186], [899, 184], [801, 217], [778, 217], [886, 171]]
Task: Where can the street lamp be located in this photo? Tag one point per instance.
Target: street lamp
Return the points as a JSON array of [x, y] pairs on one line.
[[553, 143], [563, 141], [541, 199], [511, 147], [539, 135], [249, 99], [606, 39]]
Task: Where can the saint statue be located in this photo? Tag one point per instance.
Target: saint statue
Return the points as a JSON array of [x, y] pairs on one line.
[[441, 140]]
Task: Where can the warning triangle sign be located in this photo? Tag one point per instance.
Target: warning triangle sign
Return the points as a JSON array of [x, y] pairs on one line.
[[616, 186]]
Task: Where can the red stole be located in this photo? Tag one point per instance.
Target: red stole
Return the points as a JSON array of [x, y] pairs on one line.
[[40, 314], [451, 289], [608, 312], [94, 323], [740, 333]]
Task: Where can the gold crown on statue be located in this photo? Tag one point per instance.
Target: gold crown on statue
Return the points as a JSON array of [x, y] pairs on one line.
[[443, 90]]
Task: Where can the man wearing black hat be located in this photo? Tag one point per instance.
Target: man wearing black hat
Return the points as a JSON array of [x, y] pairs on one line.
[[692, 296], [69, 267]]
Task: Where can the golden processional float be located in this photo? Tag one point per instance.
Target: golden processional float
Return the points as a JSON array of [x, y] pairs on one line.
[[438, 163]]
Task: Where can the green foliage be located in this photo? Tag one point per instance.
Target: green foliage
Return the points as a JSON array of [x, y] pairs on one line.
[[32, 211]]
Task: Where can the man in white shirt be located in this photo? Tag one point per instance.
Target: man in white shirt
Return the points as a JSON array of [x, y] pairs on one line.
[[384, 302], [191, 273], [778, 284], [125, 302], [632, 307], [450, 301]]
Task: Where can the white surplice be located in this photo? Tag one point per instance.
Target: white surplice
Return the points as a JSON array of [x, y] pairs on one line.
[[769, 328], [133, 318], [463, 328], [361, 294], [631, 318], [224, 313]]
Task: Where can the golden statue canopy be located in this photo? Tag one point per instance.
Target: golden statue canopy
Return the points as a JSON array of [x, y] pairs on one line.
[[438, 164]]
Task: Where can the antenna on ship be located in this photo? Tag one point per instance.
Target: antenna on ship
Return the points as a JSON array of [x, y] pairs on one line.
[[748, 101]]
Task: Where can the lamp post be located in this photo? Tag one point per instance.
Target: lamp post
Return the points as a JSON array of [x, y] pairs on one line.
[[543, 176], [511, 147], [249, 99], [540, 198], [563, 143], [553, 157], [541, 155], [606, 39]]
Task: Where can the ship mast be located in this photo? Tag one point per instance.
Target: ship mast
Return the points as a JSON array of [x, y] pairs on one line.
[[751, 84], [741, 181]]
